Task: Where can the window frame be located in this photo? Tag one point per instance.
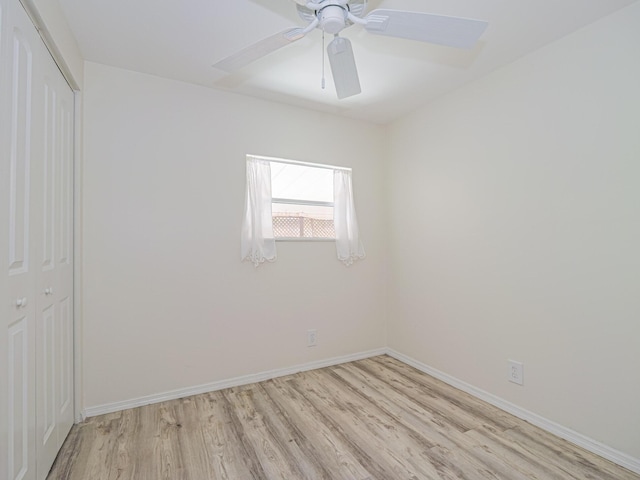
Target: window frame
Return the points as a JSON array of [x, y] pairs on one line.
[[292, 201]]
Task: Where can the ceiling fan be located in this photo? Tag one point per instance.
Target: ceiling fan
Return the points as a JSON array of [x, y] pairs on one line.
[[333, 16]]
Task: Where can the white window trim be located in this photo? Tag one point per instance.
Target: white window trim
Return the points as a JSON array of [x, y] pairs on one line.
[[296, 162]]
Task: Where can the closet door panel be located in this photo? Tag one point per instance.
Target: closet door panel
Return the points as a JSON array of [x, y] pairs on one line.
[[46, 153], [20, 454], [65, 371], [64, 264], [54, 332], [46, 374], [20, 328], [21, 79], [65, 179], [55, 352], [5, 303], [47, 245]]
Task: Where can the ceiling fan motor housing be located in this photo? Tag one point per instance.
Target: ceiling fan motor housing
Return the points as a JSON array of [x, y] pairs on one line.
[[332, 15], [333, 19]]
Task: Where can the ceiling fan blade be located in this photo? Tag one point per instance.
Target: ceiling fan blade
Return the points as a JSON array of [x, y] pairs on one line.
[[260, 49], [343, 67], [426, 27]]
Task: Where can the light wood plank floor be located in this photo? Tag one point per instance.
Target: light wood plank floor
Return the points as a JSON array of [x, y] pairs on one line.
[[371, 419]]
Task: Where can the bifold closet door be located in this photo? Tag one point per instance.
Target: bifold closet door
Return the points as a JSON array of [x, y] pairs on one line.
[[17, 347], [54, 275], [36, 327]]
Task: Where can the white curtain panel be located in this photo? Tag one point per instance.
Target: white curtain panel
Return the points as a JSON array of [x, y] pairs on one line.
[[257, 243], [345, 220]]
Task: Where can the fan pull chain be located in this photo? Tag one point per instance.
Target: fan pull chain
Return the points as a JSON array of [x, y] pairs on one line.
[[323, 79]]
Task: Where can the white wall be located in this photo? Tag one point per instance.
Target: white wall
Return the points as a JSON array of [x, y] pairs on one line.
[[516, 232], [168, 304]]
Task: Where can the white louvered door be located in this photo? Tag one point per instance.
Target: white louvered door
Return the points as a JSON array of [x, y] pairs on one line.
[[36, 250]]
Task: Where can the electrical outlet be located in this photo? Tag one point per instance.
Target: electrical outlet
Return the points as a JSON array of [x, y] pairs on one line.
[[312, 338], [515, 373]]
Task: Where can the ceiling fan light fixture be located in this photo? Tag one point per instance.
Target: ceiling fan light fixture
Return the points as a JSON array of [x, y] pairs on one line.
[[333, 19]]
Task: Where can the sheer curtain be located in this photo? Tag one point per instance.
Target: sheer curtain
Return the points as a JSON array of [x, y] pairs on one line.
[[348, 242], [257, 242]]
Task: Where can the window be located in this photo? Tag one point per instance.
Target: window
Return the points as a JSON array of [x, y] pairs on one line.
[[295, 200], [302, 200]]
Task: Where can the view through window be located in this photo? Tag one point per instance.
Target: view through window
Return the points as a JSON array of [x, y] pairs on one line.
[[302, 205]]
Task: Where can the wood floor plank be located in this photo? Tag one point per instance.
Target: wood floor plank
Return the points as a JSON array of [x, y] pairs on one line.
[[513, 462], [373, 419], [418, 429], [375, 435], [196, 456], [233, 456], [219, 445], [330, 444], [295, 441], [450, 398], [463, 463], [106, 447], [451, 450], [413, 412], [571, 460], [271, 449]]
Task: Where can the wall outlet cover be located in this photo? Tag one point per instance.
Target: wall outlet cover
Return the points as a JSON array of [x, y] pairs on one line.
[[312, 338], [515, 373]]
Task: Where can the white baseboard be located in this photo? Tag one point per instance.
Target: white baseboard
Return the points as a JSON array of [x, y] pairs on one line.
[[222, 384], [616, 456]]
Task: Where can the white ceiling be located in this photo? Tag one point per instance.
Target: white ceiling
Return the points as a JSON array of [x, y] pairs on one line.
[[182, 39]]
